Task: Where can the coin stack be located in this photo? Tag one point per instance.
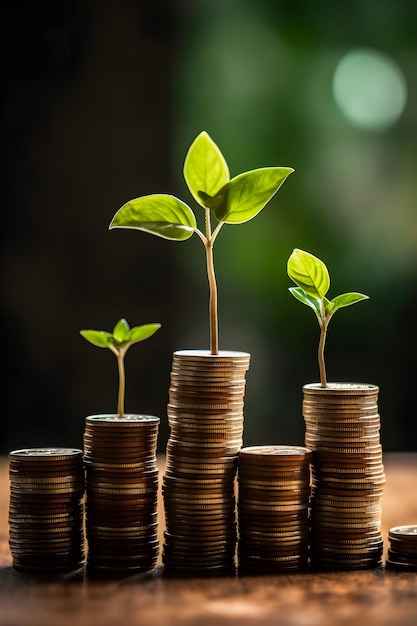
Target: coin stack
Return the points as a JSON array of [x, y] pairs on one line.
[[46, 509], [342, 430], [402, 553], [205, 413], [121, 489], [273, 507]]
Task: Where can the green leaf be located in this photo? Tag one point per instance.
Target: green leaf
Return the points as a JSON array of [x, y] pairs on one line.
[[99, 338], [300, 295], [212, 202], [328, 307], [308, 273], [140, 333], [121, 332], [159, 214], [346, 299], [245, 195], [205, 168]]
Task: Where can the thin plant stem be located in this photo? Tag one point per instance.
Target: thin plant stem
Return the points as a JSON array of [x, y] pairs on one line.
[[122, 383], [322, 365], [214, 330]]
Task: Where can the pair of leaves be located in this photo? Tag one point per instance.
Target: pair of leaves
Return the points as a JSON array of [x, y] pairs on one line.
[[233, 201], [312, 278], [122, 336]]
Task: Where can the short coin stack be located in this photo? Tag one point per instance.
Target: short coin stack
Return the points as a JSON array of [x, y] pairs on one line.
[[122, 489], [342, 430], [273, 506], [402, 553], [205, 413], [46, 509]]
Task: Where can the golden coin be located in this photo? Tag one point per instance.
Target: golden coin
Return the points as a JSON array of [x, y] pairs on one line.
[[53, 454], [340, 406], [343, 429], [181, 390], [201, 407], [197, 495], [205, 355], [202, 482], [141, 443], [408, 532], [206, 430], [340, 440], [277, 483], [255, 493], [340, 387], [353, 448], [114, 421], [178, 444], [273, 454]]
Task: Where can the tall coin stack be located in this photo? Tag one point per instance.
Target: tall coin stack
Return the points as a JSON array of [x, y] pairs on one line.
[[273, 506], [46, 509], [342, 430], [122, 489], [205, 413]]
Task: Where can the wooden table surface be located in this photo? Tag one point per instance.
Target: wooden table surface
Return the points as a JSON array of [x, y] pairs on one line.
[[374, 597]]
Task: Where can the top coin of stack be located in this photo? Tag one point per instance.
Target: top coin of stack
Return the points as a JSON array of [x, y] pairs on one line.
[[342, 430], [122, 489], [205, 413], [402, 553], [46, 509], [273, 506]]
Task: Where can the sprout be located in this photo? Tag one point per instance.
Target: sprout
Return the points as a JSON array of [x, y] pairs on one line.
[[313, 280], [119, 341]]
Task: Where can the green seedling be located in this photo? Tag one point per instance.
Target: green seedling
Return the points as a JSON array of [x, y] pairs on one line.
[[229, 200], [119, 342], [313, 282]]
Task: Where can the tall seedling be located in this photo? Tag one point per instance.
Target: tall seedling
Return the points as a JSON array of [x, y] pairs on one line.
[[229, 200]]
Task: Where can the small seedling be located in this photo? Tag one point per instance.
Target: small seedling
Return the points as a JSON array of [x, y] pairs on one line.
[[119, 341], [230, 201], [313, 282]]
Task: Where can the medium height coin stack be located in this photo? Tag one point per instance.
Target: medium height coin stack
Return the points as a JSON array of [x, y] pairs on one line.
[[273, 505], [205, 413], [342, 430], [121, 488], [46, 509]]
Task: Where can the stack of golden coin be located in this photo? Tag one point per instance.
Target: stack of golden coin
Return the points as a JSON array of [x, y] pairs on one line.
[[402, 553], [343, 431], [205, 413], [121, 489], [273, 506], [46, 509]]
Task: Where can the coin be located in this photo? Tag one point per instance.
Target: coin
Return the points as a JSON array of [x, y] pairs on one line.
[[408, 532], [268, 454]]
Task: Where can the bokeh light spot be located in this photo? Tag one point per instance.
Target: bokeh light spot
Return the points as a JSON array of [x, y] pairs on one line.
[[370, 89]]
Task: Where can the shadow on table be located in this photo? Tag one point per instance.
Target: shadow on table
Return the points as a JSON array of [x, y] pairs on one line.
[[12, 578]]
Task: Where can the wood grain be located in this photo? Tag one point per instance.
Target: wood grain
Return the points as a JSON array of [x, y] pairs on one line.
[[379, 597]]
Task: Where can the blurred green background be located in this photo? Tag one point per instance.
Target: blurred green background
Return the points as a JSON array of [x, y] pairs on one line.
[[101, 101]]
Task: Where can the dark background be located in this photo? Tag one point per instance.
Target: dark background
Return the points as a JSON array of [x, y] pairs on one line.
[[101, 100]]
